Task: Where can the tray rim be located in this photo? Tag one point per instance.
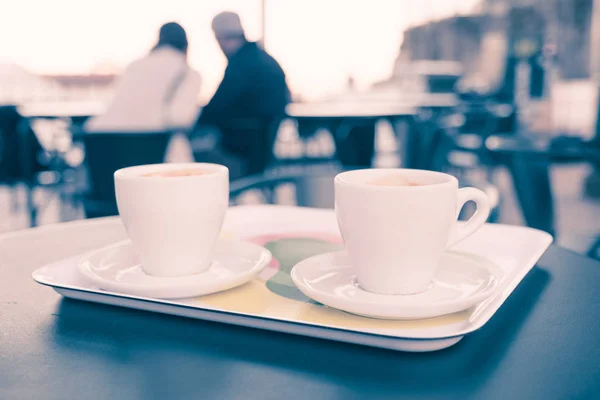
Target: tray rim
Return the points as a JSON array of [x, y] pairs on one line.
[[510, 285], [273, 325]]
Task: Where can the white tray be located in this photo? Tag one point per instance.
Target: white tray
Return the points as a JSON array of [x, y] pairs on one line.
[[272, 302]]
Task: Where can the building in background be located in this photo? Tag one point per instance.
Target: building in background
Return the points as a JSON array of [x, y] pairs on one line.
[[554, 37], [20, 86], [92, 87], [564, 25]]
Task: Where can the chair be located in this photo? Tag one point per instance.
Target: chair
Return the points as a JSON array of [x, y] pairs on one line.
[[461, 138], [19, 156], [254, 137], [354, 139], [457, 146], [107, 152], [313, 186], [528, 159], [10, 169]]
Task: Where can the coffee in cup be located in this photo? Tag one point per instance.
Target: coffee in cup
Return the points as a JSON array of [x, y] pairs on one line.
[[177, 173], [394, 180], [397, 223], [173, 223]]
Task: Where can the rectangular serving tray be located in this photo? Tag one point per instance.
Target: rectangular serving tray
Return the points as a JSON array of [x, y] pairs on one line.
[[294, 233]]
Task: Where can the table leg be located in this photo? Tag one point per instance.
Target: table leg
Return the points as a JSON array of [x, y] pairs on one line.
[[31, 205], [26, 166], [531, 180], [306, 130], [362, 139], [407, 133], [354, 143], [13, 191]]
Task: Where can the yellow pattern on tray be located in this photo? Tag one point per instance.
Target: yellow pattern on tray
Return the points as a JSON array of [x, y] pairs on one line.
[[273, 294]]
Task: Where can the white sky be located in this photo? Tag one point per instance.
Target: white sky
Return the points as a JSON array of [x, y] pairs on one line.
[[318, 42]]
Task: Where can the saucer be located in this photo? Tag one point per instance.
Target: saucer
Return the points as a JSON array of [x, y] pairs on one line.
[[461, 281], [117, 268]]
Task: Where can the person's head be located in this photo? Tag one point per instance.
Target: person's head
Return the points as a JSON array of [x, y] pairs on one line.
[[172, 34], [229, 32]]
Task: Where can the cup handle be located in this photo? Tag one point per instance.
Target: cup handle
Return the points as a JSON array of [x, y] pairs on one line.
[[461, 232]]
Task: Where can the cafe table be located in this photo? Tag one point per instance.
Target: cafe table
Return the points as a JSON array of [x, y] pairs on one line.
[[413, 120], [75, 111], [543, 343]]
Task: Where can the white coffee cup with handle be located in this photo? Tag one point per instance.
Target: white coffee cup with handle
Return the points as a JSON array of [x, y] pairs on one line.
[[173, 214], [397, 223]]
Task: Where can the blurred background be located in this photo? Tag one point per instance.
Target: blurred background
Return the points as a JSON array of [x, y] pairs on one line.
[[501, 93]]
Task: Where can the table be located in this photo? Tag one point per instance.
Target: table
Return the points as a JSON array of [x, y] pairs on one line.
[[351, 119], [361, 107], [544, 343], [571, 149], [352, 111], [77, 112], [352, 124]]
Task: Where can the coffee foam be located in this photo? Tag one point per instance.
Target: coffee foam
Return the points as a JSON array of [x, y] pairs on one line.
[[177, 173], [394, 180]]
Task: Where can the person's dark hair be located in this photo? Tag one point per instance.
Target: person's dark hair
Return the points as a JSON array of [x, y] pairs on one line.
[[172, 34]]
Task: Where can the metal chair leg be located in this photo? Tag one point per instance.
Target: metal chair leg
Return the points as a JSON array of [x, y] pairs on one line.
[[13, 191], [31, 208]]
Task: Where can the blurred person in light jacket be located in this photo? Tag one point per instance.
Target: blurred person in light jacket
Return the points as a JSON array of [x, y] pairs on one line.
[[156, 92]]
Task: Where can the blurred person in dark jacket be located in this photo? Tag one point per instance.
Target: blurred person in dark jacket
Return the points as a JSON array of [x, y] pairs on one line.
[[250, 99]]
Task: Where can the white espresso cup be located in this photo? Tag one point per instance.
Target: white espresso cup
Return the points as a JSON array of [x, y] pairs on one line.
[[397, 223], [173, 214]]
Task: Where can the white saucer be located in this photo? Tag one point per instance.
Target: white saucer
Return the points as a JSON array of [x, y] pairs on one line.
[[117, 268], [461, 281]]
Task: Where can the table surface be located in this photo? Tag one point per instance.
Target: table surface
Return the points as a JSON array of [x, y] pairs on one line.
[[536, 146], [544, 342], [364, 108], [361, 107], [335, 110], [72, 109]]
